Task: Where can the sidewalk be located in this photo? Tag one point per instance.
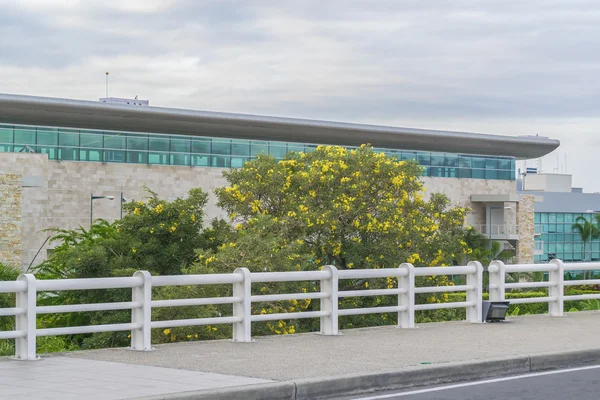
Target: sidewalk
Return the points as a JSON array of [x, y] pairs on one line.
[[359, 360]]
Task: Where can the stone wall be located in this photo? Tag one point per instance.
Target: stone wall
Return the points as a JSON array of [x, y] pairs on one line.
[[10, 219], [459, 191], [57, 193], [525, 220]]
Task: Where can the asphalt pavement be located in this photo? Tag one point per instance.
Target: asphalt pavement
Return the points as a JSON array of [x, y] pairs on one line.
[[577, 383]]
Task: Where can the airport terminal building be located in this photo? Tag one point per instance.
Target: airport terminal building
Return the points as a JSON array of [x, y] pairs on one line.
[[55, 154]]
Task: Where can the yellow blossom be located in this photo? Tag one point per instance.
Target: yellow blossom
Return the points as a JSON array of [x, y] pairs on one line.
[[167, 331]]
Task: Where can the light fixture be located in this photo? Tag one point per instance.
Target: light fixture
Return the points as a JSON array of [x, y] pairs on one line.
[[92, 198], [494, 311]]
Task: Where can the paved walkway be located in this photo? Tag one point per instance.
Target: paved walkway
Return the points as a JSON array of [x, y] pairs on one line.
[[73, 378], [370, 349], [180, 367]]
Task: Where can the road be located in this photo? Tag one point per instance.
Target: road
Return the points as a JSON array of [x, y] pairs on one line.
[[577, 383]]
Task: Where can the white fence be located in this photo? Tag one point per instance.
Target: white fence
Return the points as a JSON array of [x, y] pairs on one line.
[[27, 288], [556, 283]]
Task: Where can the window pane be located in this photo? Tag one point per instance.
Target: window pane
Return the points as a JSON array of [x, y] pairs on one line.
[[67, 138], [259, 147], [491, 174], [47, 137], [159, 143], [424, 159], [6, 138], [201, 146], [479, 174], [491, 163], [277, 149], [221, 161], [113, 143], [409, 155], [47, 140], [93, 140], [180, 145], [180, 151], [299, 148], [437, 160], [137, 143], [238, 162], [478, 162], [464, 173], [221, 147], [464, 162], [90, 155], [24, 137], [158, 150]]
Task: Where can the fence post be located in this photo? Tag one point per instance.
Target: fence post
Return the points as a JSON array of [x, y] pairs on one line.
[[242, 331], [25, 347], [141, 339], [329, 324], [406, 319], [474, 313], [556, 308], [497, 273]]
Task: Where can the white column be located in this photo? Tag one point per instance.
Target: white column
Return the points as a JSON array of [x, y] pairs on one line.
[[556, 308], [141, 339], [329, 324], [25, 347], [474, 313], [497, 272], [242, 331], [406, 319]]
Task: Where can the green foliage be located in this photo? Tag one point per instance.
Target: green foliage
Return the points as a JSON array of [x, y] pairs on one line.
[[156, 235], [7, 300], [351, 209], [482, 251], [587, 230]]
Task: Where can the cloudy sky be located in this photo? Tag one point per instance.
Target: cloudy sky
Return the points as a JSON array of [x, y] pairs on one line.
[[495, 66]]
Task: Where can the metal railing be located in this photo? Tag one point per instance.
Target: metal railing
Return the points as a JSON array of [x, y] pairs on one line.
[[555, 284], [27, 287], [497, 229]]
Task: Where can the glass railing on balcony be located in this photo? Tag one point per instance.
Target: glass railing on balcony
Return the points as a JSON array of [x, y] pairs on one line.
[[497, 230]]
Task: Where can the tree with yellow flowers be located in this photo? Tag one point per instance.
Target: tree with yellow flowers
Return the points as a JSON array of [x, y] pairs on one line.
[[348, 208]]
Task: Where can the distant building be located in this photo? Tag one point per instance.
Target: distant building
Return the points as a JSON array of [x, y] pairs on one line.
[[557, 206], [74, 149]]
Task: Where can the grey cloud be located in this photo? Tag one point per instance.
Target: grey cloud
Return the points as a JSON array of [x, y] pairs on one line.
[[385, 61]]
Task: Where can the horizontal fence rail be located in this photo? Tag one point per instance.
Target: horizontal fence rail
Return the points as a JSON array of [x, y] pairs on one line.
[[556, 283], [26, 289]]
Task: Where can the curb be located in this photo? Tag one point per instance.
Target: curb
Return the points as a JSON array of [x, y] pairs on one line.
[[425, 375]]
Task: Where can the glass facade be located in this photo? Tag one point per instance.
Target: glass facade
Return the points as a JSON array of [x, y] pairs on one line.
[[555, 230], [196, 151]]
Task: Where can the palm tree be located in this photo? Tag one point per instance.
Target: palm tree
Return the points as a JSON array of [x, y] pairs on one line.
[[588, 231]]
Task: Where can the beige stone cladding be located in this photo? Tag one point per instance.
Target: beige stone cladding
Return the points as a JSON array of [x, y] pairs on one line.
[[57, 193], [459, 191], [525, 219], [10, 219]]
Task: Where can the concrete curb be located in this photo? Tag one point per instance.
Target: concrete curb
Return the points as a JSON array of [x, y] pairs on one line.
[[259, 391], [424, 375]]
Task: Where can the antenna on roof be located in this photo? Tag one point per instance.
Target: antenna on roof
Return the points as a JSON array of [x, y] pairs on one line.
[[107, 85]]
